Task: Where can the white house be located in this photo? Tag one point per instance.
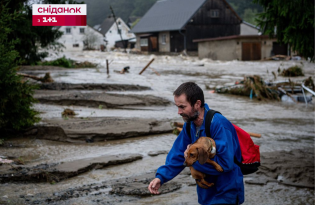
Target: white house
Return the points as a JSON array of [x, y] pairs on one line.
[[112, 32], [78, 38]]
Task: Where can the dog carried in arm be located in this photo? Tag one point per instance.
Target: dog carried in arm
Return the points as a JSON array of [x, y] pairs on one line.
[[203, 150]]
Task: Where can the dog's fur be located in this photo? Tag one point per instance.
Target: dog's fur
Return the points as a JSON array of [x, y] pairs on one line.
[[201, 151]]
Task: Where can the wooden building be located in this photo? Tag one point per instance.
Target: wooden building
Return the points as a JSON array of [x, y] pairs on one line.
[[240, 47], [172, 25]]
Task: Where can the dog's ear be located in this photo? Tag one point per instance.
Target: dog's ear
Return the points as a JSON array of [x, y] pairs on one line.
[[202, 155]]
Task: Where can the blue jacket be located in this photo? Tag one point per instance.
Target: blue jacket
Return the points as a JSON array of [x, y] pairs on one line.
[[228, 185]]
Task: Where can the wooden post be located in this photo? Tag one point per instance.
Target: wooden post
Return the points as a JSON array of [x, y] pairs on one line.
[[146, 66], [107, 68], [252, 134]]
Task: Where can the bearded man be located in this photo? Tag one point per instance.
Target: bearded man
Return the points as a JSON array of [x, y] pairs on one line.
[[228, 185]]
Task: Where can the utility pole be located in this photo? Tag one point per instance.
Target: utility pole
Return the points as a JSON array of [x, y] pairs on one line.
[[118, 29]]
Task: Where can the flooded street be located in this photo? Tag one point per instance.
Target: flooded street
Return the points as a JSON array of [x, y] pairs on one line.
[[286, 128]]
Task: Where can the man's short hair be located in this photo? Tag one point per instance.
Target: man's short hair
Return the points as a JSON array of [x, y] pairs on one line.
[[192, 91]]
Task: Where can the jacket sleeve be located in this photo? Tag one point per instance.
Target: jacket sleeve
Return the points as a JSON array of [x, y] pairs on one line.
[[223, 137], [175, 158]]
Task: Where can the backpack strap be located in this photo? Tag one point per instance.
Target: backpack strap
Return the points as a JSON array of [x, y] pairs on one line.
[[209, 117]]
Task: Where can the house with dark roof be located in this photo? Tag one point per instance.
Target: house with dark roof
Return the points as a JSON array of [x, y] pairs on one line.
[[115, 33], [172, 25]]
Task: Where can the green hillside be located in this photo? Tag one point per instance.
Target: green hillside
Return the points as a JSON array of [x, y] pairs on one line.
[[98, 10], [246, 9]]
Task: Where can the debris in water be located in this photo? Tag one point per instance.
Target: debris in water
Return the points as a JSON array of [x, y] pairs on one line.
[[68, 112], [292, 71], [252, 86]]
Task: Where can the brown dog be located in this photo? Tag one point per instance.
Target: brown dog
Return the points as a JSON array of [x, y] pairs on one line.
[[202, 150]]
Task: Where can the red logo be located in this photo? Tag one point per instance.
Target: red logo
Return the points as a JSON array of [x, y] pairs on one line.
[[59, 14]]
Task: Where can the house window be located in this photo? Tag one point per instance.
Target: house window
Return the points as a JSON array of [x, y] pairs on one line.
[[119, 23], [163, 38], [68, 30], [82, 30], [144, 42], [214, 13], [75, 45]]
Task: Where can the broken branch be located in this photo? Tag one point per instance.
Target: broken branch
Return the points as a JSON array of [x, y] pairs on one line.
[[45, 79]]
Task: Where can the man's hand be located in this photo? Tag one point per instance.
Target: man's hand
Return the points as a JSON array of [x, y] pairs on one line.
[[154, 186], [185, 153]]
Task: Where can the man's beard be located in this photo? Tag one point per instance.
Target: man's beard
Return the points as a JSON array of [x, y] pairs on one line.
[[188, 118]]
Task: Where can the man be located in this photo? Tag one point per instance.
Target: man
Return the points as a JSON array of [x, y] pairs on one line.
[[228, 185]]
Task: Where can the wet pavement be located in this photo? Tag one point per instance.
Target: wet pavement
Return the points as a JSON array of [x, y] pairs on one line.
[[286, 128]]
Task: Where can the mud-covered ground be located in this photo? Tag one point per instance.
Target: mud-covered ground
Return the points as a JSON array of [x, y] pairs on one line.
[[109, 151]]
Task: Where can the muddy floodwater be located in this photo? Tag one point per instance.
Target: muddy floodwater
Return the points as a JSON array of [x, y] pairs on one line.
[[121, 133]]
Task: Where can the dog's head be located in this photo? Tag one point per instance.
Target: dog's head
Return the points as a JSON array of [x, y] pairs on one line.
[[196, 152]]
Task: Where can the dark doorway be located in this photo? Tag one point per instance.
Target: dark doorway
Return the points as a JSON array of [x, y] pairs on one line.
[[279, 49], [251, 51], [177, 41]]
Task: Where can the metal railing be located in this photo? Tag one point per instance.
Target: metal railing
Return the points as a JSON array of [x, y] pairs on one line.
[[309, 90]]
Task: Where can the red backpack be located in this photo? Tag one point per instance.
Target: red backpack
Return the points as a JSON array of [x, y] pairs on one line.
[[250, 152]]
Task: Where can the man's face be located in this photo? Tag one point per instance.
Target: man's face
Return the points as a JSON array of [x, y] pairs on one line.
[[185, 110]]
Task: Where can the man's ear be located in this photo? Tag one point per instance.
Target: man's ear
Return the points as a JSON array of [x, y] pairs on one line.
[[197, 104]]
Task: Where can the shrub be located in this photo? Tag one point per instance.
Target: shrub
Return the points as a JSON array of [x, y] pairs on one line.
[[61, 62], [292, 71]]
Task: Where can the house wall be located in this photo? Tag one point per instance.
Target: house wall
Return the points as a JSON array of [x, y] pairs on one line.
[[137, 46], [77, 38], [202, 25], [164, 47], [112, 34], [248, 30], [231, 49]]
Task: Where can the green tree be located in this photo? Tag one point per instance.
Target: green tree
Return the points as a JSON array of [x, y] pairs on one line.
[[141, 7], [31, 37], [246, 9], [291, 22], [15, 95], [250, 15], [98, 10]]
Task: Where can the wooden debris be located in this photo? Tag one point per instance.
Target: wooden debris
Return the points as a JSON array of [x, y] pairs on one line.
[[107, 67], [146, 66], [178, 124], [45, 79], [278, 57], [252, 134], [155, 71]]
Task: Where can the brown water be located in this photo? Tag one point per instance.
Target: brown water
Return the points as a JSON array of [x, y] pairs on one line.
[[284, 126]]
